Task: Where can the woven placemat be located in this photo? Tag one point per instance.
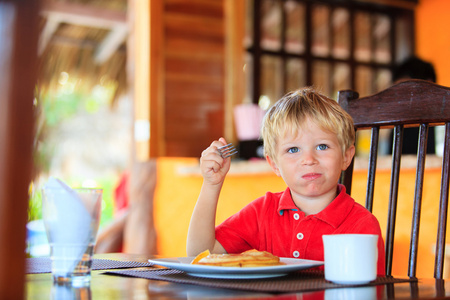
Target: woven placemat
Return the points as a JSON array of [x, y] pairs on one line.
[[44, 265], [301, 281]]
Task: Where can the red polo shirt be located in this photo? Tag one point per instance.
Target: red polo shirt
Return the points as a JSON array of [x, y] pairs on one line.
[[273, 223]]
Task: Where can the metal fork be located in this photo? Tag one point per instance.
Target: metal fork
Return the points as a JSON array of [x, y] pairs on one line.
[[227, 150]]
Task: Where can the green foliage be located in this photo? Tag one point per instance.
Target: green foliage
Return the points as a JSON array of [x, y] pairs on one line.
[[107, 184], [60, 108], [35, 203], [52, 109]]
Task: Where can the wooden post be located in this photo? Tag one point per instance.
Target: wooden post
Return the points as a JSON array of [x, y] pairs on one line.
[[18, 62]]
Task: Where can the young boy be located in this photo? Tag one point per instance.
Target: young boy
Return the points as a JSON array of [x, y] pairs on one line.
[[308, 140]]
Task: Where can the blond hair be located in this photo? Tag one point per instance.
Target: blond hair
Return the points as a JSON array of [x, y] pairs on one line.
[[290, 112]]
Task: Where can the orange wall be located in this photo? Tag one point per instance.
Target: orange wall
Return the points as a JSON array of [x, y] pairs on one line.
[[432, 36]]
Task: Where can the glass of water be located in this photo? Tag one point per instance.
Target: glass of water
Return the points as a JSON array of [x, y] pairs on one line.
[[71, 218]]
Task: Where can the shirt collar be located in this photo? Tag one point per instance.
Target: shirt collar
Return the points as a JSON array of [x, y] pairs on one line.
[[337, 211], [340, 204], [286, 202]]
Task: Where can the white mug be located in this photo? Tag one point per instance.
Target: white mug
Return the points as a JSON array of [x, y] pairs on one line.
[[350, 258]]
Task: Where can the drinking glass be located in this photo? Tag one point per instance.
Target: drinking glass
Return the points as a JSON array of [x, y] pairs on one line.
[[71, 218]]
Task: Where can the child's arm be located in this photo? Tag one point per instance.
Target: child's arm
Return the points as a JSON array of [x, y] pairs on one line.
[[201, 234]]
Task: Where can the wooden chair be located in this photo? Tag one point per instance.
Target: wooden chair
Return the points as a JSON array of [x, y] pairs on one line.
[[408, 103]]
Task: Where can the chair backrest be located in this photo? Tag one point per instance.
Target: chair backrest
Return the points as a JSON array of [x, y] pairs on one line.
[[409, 103]]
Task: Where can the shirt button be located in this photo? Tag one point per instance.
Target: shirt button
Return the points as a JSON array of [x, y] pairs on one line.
[[296, 216], [300, 236], [296, 254]]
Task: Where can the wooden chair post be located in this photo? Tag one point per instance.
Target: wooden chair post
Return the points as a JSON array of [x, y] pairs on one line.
[[347, 175], [18, 62]]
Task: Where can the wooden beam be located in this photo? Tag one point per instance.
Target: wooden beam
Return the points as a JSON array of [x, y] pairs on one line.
[[90, 16], [111, 43], [157, 79], [50, 27], [19, 33], [85, 15], [234, 62], [138, 49]]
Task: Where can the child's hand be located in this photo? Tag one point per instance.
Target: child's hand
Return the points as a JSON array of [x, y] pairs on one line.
[[214, 168]]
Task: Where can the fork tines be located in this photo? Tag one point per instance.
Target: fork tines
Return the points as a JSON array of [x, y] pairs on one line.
[[227, 150]]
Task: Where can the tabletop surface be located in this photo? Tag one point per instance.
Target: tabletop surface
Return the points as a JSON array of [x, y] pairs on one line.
[[40, 286]]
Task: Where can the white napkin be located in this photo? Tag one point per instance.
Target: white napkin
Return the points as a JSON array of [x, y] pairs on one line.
[[67, 222]]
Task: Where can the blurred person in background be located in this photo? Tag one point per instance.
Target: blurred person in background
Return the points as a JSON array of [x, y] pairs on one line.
[[414, 68]]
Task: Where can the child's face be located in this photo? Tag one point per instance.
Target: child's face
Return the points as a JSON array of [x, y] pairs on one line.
[[311, 162]]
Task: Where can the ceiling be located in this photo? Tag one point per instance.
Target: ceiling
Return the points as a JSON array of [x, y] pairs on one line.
[[90, 16], [84, 38]]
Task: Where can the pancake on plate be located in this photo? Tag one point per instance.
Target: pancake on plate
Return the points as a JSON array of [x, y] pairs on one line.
[[248, 259]]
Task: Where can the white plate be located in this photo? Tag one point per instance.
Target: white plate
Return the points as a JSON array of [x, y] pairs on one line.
[[184, 264]]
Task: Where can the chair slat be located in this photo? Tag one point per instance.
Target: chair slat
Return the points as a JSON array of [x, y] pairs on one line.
[[420, 172], [347, 176], [393, 196], [372, 167], [443, 207]]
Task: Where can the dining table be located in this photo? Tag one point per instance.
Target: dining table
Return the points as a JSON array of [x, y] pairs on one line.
[[130, 276]]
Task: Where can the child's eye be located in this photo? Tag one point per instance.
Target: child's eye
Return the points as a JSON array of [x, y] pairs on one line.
[[322, 147], [293, 150]]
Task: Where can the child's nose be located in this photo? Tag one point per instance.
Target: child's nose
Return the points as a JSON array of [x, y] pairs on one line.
[[308, 158]]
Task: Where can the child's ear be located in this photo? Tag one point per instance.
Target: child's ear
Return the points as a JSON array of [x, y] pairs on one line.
[[273, 165], [348, 156]]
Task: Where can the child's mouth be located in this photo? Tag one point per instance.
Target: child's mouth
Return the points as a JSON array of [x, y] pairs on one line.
[[311, 176]]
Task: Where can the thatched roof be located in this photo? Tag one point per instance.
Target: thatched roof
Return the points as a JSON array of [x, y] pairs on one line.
[[85, 39]]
